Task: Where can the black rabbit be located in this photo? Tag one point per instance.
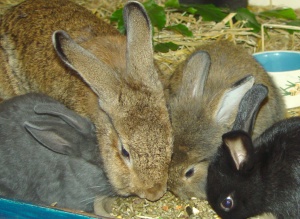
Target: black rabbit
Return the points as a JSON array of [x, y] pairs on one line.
[[232, 4], [247, 178], [49, 154]]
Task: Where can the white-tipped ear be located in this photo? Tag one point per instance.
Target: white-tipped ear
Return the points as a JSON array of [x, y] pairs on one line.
[[99, 76], [231, 99], [194, 75]]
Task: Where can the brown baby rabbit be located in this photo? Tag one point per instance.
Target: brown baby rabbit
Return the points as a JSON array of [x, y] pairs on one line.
[[205, 94], [61, 49]]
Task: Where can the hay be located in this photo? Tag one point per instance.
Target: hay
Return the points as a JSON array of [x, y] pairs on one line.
[[278, 39]]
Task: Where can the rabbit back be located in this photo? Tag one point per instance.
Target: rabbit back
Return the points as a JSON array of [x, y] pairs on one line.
[[37, 175], [26, 36]]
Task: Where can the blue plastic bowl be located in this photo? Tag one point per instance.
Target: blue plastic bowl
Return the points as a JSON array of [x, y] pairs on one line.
[[13, 209], [279, 61]]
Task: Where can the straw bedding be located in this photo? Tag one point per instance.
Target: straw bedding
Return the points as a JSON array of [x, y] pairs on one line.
[[204, 31]]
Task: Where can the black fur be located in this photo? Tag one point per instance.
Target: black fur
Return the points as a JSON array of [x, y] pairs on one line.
[[267, 178]]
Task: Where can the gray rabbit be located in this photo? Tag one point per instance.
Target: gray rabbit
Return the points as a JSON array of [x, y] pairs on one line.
[[247, 178], [204, 95], [49, 154]]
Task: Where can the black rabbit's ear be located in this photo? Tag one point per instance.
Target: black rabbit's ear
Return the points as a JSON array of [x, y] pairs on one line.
[[240, 148]]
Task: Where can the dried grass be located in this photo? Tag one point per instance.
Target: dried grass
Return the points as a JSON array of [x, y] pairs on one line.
[[278, 39]]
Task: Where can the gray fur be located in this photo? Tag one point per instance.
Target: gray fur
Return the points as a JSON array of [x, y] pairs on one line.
[[32, 127]]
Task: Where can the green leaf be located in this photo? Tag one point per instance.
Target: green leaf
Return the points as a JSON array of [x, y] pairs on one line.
[[192, 10], [117, 16], [243, 14], [165, 47], [180, 28], [293, 23], [210, 13], [172, 3], [156, 13], [286, 13], [207, 12]]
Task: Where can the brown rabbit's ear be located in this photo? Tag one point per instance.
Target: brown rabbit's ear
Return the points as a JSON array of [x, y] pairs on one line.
[[194, 76], [98, 75], [240, 147], [139, 55], [231, 99]]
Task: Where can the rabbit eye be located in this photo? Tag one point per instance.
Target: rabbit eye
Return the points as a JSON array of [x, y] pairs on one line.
[[227, 204], [190, 172], [125, 153]]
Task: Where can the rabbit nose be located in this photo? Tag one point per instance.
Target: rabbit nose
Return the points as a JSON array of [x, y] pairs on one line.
[[156, 192]]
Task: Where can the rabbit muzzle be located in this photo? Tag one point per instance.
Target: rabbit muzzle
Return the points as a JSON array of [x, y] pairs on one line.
[[154, 193]]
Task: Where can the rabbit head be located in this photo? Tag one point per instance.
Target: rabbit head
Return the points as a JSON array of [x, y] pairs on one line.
[[234, 162], [195, 123], [204, 95], [133, 125]]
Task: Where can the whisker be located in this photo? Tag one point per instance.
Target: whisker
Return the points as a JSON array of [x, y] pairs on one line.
[[88, 200], [92, 187]]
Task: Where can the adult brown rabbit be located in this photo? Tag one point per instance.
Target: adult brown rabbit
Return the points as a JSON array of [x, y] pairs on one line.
[[100, 74], [204, 98]]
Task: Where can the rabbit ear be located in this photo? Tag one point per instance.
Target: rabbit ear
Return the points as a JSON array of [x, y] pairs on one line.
[[238, 141], [52, 134], [249, 107], [231, 99], [139, 54], [240, 146], [98, 75], [79, 123], [194, 75]]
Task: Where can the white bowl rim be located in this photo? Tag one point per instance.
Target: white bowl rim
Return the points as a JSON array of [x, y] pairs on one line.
[[276, 51]]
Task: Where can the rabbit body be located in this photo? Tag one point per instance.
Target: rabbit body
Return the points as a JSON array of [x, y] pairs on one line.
[[46, 159], [63, 50], [232, 4], [248, 178], [204, 94]]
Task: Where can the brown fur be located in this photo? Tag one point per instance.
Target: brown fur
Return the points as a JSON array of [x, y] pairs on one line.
[[97, 73], [197, 134]]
